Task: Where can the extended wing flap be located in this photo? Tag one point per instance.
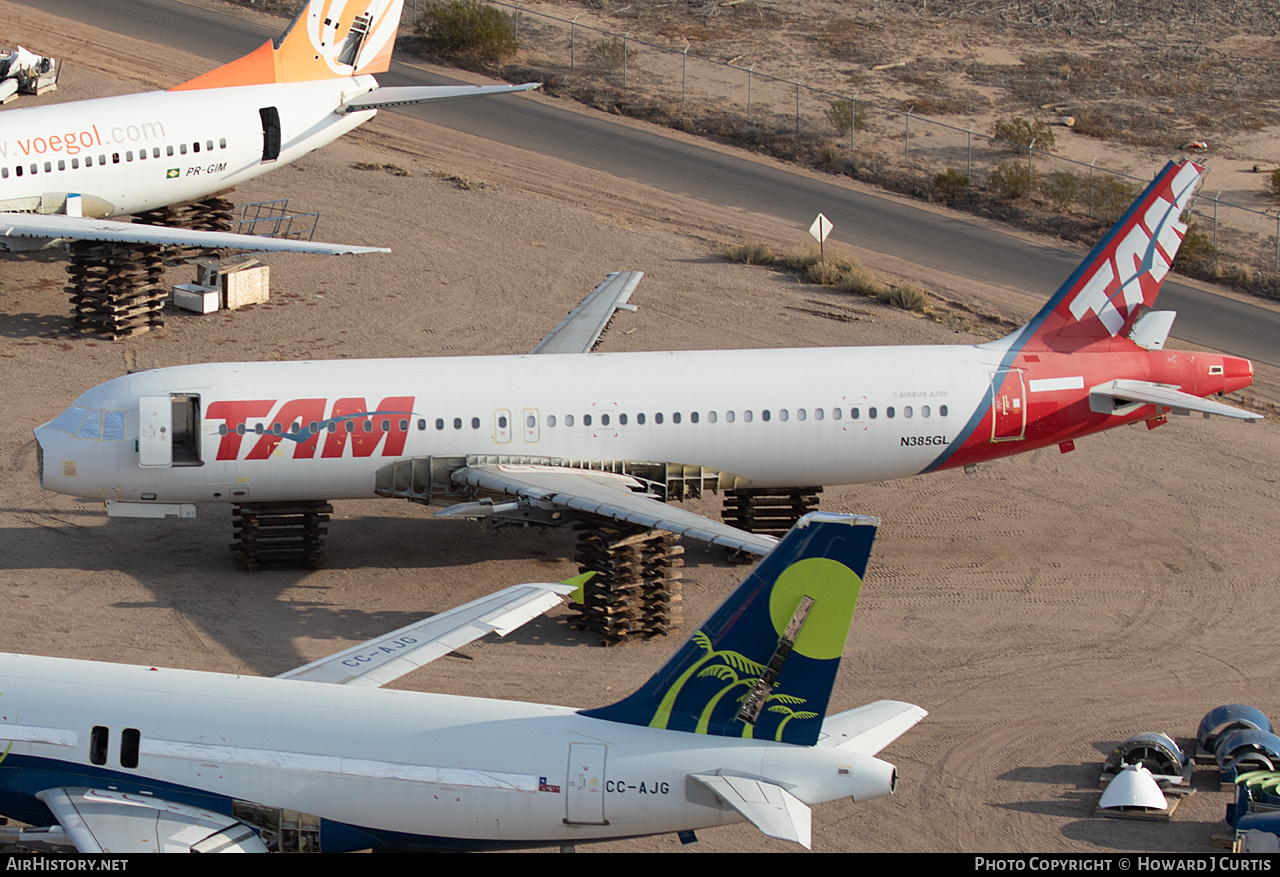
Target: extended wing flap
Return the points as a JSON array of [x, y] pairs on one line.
[[605, 494], [579, 332], [1105, 398], [768, 807], [403, 96], [60, 226], [868, 729], [103, 821], [374, 663]]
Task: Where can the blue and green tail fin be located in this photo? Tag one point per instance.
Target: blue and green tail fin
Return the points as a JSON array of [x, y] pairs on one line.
[[764, 663]]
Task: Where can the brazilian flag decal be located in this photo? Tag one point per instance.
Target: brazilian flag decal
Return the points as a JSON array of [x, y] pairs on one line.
[[171, 174]]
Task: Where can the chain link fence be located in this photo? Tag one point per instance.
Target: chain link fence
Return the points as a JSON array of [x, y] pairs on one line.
[[869, 140]]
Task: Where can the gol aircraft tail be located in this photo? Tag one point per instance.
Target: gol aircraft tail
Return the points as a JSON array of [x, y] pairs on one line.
[[763, 665], [329, 39]]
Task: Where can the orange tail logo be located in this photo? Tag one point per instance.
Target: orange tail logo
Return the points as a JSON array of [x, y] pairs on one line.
[[329, 39]]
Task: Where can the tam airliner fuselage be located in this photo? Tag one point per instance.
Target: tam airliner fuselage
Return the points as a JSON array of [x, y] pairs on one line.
[[771, 417], [463, 428]]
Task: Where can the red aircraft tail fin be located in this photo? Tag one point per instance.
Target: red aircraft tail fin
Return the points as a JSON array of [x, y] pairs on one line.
[[1122, 275]]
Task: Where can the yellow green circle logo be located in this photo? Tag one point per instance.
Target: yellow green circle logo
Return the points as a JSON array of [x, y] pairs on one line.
[[834, 588]]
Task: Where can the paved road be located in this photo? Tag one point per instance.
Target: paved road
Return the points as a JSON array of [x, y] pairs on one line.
[[882, 225]]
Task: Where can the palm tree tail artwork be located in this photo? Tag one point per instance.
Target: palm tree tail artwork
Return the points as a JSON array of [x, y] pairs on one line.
[[773, 645]]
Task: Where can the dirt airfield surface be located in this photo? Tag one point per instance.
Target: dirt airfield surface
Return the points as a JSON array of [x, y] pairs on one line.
[[1042, 609]]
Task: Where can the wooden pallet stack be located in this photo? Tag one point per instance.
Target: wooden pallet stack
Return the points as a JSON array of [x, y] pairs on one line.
[[636, 589], [209, 214], [770, 511], [290, 533], [115, 289]]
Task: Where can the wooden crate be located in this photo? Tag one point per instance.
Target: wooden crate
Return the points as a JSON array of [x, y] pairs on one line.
[[245, 284]]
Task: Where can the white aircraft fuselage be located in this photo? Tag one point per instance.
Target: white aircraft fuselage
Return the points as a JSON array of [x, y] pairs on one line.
[[137, 152], [788, 417], [422, 768], [116, 758]]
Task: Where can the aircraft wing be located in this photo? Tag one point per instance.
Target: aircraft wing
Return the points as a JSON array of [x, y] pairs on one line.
[[598, 493], [579, 332], [53, 226], [868, 729], [1104, 399], [770, 808], [386, 98], [374, 663], [100, 821]]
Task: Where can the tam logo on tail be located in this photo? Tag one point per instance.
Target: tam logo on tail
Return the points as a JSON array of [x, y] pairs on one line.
[[1125, 270]]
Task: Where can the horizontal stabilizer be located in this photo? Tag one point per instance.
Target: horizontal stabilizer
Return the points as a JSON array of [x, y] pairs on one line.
[[605, 494], [374, 663], [868, 729], [56, 225], [1106, 398], [403, 96], [579, 332], [770, 808]]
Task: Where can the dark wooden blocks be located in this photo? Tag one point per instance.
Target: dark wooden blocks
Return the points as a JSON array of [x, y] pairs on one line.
[[770, 511], [286, 533]]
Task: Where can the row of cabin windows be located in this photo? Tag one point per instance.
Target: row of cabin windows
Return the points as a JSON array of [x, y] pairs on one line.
[[748, 416], [100, 741], [116, 157]]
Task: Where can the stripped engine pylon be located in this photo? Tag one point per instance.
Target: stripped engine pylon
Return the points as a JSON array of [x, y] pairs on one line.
[[115, 289], [769, 511], [636, 589], [291, 533]]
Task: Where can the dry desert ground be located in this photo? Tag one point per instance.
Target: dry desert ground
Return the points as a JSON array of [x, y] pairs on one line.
[[1042, 609]]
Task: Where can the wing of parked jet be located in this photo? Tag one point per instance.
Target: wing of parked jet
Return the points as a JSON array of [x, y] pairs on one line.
[[770, 808], [374, 663], [55, 226], [1106, 398], [579, 332], [403, 96], [868, 729], [598, 493], [108, 821]]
